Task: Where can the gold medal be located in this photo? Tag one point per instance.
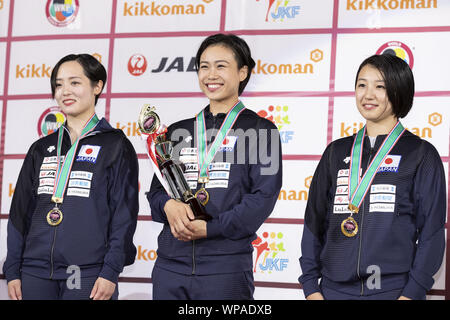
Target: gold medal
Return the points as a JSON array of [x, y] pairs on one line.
[[54, 217], [202, 195], [349, 227]]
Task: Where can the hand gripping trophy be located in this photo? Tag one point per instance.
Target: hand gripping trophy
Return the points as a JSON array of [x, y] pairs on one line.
[[166, 169]]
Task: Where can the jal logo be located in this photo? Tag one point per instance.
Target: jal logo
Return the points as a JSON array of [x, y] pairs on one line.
[[178, 64], [50, 121], [61, 13], [137, 64], [280, 117], [398, 49], [281, 10], [269, 249]]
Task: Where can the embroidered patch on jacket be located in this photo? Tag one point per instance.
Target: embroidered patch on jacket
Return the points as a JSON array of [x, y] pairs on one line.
[[47, 174], [228, 144], [219, 172], [390, 164], [80, 184], [88, 153], [382, 198]]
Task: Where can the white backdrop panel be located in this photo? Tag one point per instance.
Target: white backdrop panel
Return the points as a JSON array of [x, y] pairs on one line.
[[30, 73], [92, 17], [294, 14]]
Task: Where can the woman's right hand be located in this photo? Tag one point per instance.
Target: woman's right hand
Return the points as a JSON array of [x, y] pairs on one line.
[[315, 296], [179, 215], [15, 289]]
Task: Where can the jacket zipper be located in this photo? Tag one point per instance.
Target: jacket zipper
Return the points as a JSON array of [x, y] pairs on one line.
[[193, 256], [54, 234], [51, 254], [359, 251], [360, 234]]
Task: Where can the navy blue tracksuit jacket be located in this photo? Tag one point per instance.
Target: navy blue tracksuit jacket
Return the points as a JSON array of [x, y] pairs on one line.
[[401, 222], [99, 210], [246, 177]]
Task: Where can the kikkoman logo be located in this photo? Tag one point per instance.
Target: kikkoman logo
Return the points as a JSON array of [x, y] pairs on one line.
[[158, 8], [296, 195], [279, 116], [283, 10], [434, 119], [268, 248], [40, 70], [364, 5], [145, 254], [61, 13], [266, 68], [131, 129], [33, 71]]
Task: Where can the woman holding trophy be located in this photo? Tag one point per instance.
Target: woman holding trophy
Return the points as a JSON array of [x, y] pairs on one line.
[[211, 257], [75, 206]]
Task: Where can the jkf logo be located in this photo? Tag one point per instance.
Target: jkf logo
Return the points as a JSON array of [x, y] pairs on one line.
[[282, 10], [271, 245], [60, 13], [278, 115]]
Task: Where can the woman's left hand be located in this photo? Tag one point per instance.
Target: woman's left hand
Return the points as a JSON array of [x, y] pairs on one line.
[[103, 289], [198, 229]]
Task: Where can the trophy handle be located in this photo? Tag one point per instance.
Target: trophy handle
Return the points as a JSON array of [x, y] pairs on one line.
[[148, 121]]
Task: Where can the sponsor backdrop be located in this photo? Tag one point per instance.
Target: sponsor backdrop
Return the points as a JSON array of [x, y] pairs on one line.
[[306, 52]]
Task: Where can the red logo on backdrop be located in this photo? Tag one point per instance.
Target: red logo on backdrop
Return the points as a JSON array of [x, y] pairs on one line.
[[399, 49], [137, 64], [61, 13]]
